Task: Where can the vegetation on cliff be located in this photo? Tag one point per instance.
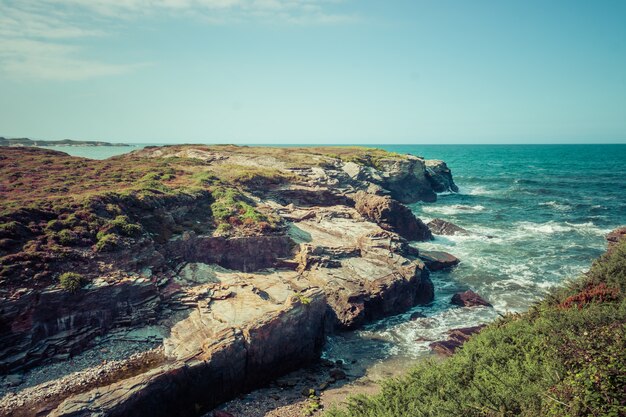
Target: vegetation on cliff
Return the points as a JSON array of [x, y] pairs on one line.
[[56, 208], [564, 357]]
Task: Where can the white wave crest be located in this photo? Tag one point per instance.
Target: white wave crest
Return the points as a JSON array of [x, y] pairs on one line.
[[553, 227], [453, 209], [556, 206], [475, 190]]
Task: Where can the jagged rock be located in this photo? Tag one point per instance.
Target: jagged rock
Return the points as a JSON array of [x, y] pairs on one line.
[[437, 260], [456, 339], [442, 227], [440, 176], [469, 299], [391, 215]]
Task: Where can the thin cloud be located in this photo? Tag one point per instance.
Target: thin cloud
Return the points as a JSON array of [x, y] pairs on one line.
[[47, 39]]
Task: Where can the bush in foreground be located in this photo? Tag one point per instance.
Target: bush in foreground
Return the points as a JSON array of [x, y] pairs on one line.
[[564, 357]]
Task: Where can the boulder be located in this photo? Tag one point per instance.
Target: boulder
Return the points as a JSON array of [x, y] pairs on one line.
[[391, 215], [437, 260], [469, 299], [456, 339], [443, 227]]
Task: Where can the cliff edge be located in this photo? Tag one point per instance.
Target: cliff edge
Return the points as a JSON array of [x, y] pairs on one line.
[[242, 258]]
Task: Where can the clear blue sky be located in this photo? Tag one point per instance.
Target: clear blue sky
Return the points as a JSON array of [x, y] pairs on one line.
[[306, 71]]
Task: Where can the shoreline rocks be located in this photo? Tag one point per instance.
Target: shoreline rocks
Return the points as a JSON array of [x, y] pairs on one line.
[[469, 299], [445, 228], [438, 260], [456, 339]]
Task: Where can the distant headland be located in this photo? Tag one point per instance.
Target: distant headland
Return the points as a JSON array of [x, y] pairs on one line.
[[63, 142]]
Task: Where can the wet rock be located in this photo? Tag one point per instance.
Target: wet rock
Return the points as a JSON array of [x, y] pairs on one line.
[[417, 315], [391, 215], [456, 339], [469, 299], [337, 374], [437, 260], [443, 227], [440, 176]]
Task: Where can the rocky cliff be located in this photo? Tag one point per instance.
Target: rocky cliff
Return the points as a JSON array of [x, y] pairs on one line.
[[244, 258]]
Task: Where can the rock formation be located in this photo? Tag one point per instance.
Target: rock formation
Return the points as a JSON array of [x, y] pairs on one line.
[[437, 260], [469, 299], [391, 215], [245, 258], [442, 227], [456, 339]]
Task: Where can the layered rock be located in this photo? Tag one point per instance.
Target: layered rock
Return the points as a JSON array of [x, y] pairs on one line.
[[438, 260], [440, 176], [241, 308], [391, 215], [54, 324]]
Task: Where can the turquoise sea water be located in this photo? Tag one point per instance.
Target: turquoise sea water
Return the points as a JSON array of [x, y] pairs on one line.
[[537, 215]]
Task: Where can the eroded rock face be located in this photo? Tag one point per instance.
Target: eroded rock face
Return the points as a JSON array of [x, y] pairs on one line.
[[391, 215], [469, 299], [55, 324], [241, 253], [213, 369], [445, 228]]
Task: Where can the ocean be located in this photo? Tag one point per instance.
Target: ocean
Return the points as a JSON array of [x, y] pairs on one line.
[[537, 215]]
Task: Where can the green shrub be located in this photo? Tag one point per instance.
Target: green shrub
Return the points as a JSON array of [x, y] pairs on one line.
[[71, 281], [107, 243], [66, 237], [123, 224], [565, 357]]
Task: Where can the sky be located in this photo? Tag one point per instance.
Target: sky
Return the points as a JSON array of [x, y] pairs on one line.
[[314, 71]]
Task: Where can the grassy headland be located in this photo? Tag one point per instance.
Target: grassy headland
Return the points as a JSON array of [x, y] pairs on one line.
[[54, 206]]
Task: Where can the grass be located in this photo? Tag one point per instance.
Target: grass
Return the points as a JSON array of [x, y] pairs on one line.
[[565, 357], [54, 206]]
